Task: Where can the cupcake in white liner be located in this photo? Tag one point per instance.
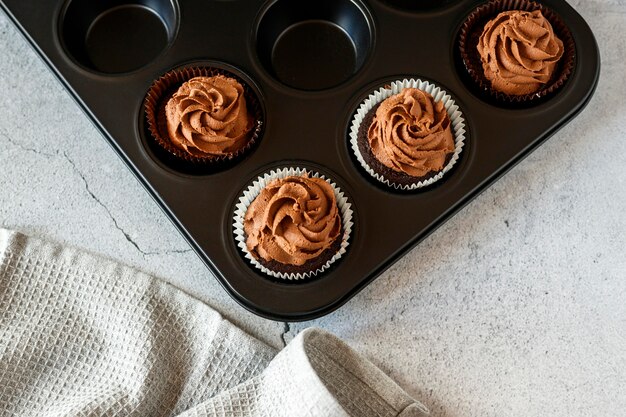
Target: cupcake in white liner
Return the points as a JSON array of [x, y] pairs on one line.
[[411, 142], [292, 223]]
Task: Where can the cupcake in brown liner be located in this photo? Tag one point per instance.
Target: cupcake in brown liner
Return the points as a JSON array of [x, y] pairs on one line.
[[292, 224], [203, 116], [408, 135], [516, 51]]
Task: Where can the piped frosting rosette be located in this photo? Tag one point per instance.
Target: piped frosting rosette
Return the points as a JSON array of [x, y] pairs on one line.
[[416, 138], [516, 51], [203, 115], [292, 223]]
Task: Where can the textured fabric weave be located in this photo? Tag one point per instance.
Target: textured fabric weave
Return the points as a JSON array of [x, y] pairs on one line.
[[85, 336]]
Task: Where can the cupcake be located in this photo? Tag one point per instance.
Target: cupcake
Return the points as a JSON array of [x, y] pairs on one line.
[[516, 50], [519, 52], [203, 115], [408, 135], [292, 224]]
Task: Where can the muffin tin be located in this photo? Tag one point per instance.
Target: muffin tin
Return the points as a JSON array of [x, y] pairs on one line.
[[311, 63]]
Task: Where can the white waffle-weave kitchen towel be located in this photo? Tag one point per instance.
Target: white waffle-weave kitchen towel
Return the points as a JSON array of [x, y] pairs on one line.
[[85, 336]]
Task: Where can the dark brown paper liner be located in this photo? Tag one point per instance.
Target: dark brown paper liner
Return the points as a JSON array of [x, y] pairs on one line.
[[473, 27], [165, 87]]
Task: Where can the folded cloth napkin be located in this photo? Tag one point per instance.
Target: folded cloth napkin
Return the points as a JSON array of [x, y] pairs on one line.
[[85, 336]]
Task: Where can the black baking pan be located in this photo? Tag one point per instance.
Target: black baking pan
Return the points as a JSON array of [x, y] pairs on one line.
[[311, 62]]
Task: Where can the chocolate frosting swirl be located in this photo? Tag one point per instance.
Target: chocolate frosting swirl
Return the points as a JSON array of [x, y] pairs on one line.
[[208, 116], [519, 51], [411, 133], [292, 220]]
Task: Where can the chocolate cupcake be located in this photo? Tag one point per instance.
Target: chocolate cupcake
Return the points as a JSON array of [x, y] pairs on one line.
[[203, 115], [408, 135], [516, 51], [292, 224]]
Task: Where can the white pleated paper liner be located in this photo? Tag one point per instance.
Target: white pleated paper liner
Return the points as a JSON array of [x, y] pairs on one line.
[[456, 120], [254, 189]]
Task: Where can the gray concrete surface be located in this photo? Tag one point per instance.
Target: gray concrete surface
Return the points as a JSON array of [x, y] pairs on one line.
[[515, 307]]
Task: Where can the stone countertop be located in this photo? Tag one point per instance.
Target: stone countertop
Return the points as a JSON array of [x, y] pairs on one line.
[[516, 306]]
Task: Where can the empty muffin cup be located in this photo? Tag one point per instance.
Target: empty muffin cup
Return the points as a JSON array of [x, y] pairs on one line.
[[292, 223], [203, 116], [514, 78], [314, 44], [117, 36]]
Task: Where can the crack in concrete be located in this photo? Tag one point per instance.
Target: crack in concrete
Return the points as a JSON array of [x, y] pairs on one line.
[[24, 147], [171, 252], [92, 195], [97, 200], [114, 220], [286, 329]]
